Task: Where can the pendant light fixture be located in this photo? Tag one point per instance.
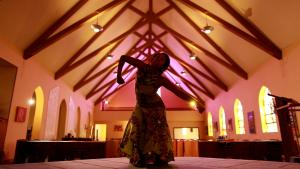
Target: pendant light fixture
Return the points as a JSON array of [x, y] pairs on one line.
[[208, 28], [96, 27]]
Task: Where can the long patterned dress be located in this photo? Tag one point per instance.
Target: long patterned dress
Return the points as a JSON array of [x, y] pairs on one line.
[[147, 137]]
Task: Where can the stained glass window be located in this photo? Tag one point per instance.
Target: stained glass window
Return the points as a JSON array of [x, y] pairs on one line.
[[267, 114], [239, 117]]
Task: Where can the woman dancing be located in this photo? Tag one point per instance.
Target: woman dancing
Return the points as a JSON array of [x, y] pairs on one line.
[[147, 137]]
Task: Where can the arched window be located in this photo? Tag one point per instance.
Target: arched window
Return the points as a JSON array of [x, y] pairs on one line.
[[36, 115], [209, 124], [239, 117], [267, 114], [222, 121]]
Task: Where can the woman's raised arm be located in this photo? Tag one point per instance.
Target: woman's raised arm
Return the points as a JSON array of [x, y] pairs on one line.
[[130, 60], [182, 94]]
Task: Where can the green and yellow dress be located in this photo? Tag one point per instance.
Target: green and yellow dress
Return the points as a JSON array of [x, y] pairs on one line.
[[147, 137]]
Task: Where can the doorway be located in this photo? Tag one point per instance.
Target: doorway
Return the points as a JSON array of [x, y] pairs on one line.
[[34, 124], [100, 132], [8, 74], [62, 120]]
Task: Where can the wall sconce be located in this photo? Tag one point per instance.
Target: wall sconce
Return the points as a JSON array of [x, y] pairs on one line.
[[96, 27], [30, 101]]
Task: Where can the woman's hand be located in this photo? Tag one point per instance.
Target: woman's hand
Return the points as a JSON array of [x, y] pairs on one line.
[[120, 80]]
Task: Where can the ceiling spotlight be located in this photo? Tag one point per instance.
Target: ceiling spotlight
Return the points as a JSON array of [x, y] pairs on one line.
[[110, 56], [115, 73], [178, 84], [207, 29], [183, 73], [193, 56], [96, 27]]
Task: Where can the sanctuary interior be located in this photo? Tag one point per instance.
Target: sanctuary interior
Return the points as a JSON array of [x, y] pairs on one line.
[[60, 105]]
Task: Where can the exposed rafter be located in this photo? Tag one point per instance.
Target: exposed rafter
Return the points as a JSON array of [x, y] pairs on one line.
[[188, 83], [69, 65], [130, 52], [264, 42], [183, 63], [85, 79], [240, 71], [147, 36], [46, 39]]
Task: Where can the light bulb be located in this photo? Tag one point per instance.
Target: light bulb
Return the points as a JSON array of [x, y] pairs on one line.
[[193, 56], [207, 29], [31, 101], [110, 56], [96, 28]]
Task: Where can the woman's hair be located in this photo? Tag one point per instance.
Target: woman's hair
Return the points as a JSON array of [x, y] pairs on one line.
[[167, 61], [166, 58]]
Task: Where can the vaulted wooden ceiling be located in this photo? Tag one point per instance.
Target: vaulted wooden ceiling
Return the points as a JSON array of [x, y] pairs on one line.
[[69, 49]]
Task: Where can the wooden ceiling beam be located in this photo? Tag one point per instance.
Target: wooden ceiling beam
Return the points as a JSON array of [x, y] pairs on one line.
[[146, 15], [260, 41], [107, 68], [31, 49], [105, 91], [172, 70], [240, 71], [206, 52], [68, 66], [137, 11], [156, 51], [200, 62], [266, 44], [83, 80], [193, 91], [110, 83], [92, 93], [95, 36], [182, 62], [163, 11], [130, 52], [116, 89], [208, 92], [150, 5], [37, 46], [96, 75]]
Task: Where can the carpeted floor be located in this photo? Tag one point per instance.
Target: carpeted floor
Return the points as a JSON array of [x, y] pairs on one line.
[[179, 163]]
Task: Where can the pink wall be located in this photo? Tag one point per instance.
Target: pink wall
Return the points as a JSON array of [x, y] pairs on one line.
[[280, 76], [29, 76], [125, 97]]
